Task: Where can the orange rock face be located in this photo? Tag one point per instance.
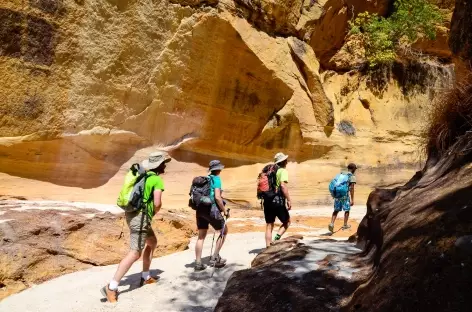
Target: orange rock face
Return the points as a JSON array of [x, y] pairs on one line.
[[238, 80], [37, 245]]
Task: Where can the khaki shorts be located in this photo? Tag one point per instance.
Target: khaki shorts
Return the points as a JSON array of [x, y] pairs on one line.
[[139, 228]]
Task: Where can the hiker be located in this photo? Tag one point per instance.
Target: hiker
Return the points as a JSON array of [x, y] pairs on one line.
[[212, 214], [142, 238], [344, 202], [280, 204]]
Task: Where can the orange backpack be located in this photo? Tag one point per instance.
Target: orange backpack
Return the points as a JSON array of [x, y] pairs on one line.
[[266, 182]]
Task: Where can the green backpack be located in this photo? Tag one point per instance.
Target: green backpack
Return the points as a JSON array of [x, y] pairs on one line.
[[131, 195]]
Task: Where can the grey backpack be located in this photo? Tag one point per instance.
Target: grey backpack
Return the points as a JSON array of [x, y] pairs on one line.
[[200, 192]]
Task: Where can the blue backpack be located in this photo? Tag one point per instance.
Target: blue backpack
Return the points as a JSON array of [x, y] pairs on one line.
[[339, 186]]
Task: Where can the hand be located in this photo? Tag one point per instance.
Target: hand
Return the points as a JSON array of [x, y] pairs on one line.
[[352, 203], [289, 205], [226, 213]]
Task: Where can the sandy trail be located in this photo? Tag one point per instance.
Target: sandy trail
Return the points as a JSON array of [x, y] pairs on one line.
[[179, 287]]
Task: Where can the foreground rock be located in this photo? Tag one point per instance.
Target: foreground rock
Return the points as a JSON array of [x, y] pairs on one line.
[[416, 235], [293, 275], [42, 242]]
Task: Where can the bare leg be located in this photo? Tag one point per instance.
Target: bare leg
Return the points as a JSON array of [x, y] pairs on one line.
[[148, 251], [126, 264], [333, 218], [346, 217], [199, 246], [283, 228], [268, 234], [221, 240]]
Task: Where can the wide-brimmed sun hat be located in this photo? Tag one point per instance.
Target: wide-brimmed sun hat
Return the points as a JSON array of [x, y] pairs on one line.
[[279, 157], [215, 165], [155, 160]]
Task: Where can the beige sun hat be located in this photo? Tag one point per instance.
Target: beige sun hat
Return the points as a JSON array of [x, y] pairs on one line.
[[279, 157], [155, 160]]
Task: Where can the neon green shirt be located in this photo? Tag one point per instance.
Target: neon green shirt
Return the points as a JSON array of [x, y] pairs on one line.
[[282, 176], [153, 182]]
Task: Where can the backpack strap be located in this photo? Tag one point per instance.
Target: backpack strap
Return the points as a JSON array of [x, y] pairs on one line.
[[151, 195], [211, 180], [213, 200]]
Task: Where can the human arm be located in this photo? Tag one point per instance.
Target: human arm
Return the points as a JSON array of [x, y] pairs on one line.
[[282, 178], [351, 192], [157, 201], [284, 188], [219, 201]]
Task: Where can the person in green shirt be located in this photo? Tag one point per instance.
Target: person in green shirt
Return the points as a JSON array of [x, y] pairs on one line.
[[278, 207], [142, 238]]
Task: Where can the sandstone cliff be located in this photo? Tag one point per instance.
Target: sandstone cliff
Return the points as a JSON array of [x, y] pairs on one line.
[[416, 238], [87, 84]]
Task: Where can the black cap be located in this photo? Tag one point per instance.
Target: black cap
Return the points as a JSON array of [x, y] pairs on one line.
[[352, 166]]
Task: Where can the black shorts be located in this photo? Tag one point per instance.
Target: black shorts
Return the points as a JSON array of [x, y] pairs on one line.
[[273, 209], [210, 215]]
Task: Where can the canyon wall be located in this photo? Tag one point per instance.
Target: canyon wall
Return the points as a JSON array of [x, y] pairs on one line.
[[90, 86]]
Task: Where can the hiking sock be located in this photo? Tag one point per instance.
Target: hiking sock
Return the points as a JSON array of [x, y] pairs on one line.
[[113, 285], [145, 275], [277, 237]]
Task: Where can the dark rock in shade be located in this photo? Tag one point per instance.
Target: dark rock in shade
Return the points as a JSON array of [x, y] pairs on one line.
[[274, 283], [464, 243], [460, 39]]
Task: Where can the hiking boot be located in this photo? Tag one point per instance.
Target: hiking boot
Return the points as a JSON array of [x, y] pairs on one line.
[[217, 261], [346, 227], [111, 295], [150, 280], [331, 227], [199, 266]]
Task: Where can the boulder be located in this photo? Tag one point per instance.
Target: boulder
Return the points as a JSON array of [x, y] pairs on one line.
[[293, 275]]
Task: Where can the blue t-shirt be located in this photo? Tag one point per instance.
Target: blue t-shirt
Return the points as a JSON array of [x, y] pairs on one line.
[[215, 183]]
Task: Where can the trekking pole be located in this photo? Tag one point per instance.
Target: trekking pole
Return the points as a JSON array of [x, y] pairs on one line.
[[211, 252], [221, 236]]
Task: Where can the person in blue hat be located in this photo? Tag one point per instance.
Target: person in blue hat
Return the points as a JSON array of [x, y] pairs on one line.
[[212, 215]]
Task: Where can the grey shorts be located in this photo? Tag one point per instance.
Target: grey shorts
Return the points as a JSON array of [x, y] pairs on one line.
[[139, 229]]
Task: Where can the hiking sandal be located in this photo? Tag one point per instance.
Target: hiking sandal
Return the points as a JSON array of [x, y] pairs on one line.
[[150, 280], [331, 227], [217, 262], [199, 266]]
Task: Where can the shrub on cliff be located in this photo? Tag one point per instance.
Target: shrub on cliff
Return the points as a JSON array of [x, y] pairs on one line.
[[449, 119], [382, 37]]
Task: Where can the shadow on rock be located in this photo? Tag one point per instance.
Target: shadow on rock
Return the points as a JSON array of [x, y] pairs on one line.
[[274, 284]]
